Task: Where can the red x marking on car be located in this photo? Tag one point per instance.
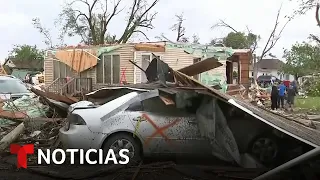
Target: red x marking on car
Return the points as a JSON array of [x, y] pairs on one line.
[[159, 130]]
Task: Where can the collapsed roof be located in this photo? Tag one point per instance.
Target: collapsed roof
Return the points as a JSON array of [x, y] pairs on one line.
[[166, 76]]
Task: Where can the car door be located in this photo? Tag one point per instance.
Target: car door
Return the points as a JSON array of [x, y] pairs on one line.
[[166, 129], [146, 125]]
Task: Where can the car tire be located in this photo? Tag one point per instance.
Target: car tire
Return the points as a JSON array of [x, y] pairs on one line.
[[121, 141], [266, 148]]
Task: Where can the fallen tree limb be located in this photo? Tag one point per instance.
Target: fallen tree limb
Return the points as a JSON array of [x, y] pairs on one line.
[[11, 137]]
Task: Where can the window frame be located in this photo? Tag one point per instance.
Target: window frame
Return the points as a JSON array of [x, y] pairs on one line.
[[150, 59], [150, 56], [112, 69], [58, 67]]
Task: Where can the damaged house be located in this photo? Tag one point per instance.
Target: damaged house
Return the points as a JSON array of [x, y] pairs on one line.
[[91, 68], [19, 68]]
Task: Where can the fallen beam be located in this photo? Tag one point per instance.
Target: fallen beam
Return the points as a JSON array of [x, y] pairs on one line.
[[11, 137]]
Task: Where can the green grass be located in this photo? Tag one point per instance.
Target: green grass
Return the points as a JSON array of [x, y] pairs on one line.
[[309, 103]]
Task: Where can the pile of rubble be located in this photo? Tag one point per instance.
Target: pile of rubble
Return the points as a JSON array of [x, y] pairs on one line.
[[259, 96], [29, 119]]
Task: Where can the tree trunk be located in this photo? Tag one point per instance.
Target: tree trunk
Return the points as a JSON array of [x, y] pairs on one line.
[[255, 69]]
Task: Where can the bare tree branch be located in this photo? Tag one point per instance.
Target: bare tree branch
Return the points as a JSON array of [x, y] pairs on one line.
[[274, 36], [223, 24], [138, 18], [315, 38], [317, 14], [178, 27], [45, 32]]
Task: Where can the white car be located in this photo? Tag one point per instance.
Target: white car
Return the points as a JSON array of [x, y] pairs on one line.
[[144, 124]]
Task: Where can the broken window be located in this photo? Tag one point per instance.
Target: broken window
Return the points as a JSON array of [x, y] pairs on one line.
[[108, 69], [156, 105], [116, 69], [56, 71], [136, 106], [99, 71], [69, 71], [145, 61], [63, 68]]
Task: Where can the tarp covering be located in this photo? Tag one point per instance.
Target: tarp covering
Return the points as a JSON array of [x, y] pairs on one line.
[[204, 51], [107, 49]]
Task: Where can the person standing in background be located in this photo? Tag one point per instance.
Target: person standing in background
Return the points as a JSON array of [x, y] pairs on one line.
[[295, 86], [282, 92], [291, 94], [274, 97]]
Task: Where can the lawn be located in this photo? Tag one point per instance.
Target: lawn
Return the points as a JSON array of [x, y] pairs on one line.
[[309, 103]]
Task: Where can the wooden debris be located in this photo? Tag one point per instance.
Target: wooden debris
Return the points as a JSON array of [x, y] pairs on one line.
[[11, 137], [314, 117]]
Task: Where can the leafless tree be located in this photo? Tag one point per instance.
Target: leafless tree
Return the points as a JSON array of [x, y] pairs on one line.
[[222, 23], [273, 39], [274, 35], [195, 39], [179, 28], [140, 17], [251, 39], [312, 36], [92, 24], [44, 31]]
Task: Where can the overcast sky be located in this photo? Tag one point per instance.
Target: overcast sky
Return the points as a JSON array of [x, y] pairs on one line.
[[259, 15]]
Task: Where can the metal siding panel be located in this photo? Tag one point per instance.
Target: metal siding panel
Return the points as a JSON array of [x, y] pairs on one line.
[[176, 58]]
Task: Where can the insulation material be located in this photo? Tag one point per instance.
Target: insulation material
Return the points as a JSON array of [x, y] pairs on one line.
[[79, 60], [215, 77], [28, 104], [213, 125], [107, 49], [31, 105]]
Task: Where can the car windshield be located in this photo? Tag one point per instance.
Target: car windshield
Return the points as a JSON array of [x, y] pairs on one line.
[[12, 86]]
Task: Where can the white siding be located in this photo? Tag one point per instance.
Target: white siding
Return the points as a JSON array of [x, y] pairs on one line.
[[176, 58]]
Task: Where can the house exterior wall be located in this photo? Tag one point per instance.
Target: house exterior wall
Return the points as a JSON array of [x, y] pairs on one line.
[[176, 58], [126, 53]]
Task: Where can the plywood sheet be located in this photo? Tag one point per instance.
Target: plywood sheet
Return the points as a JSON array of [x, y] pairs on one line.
[[150, 47], [78, 60]]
